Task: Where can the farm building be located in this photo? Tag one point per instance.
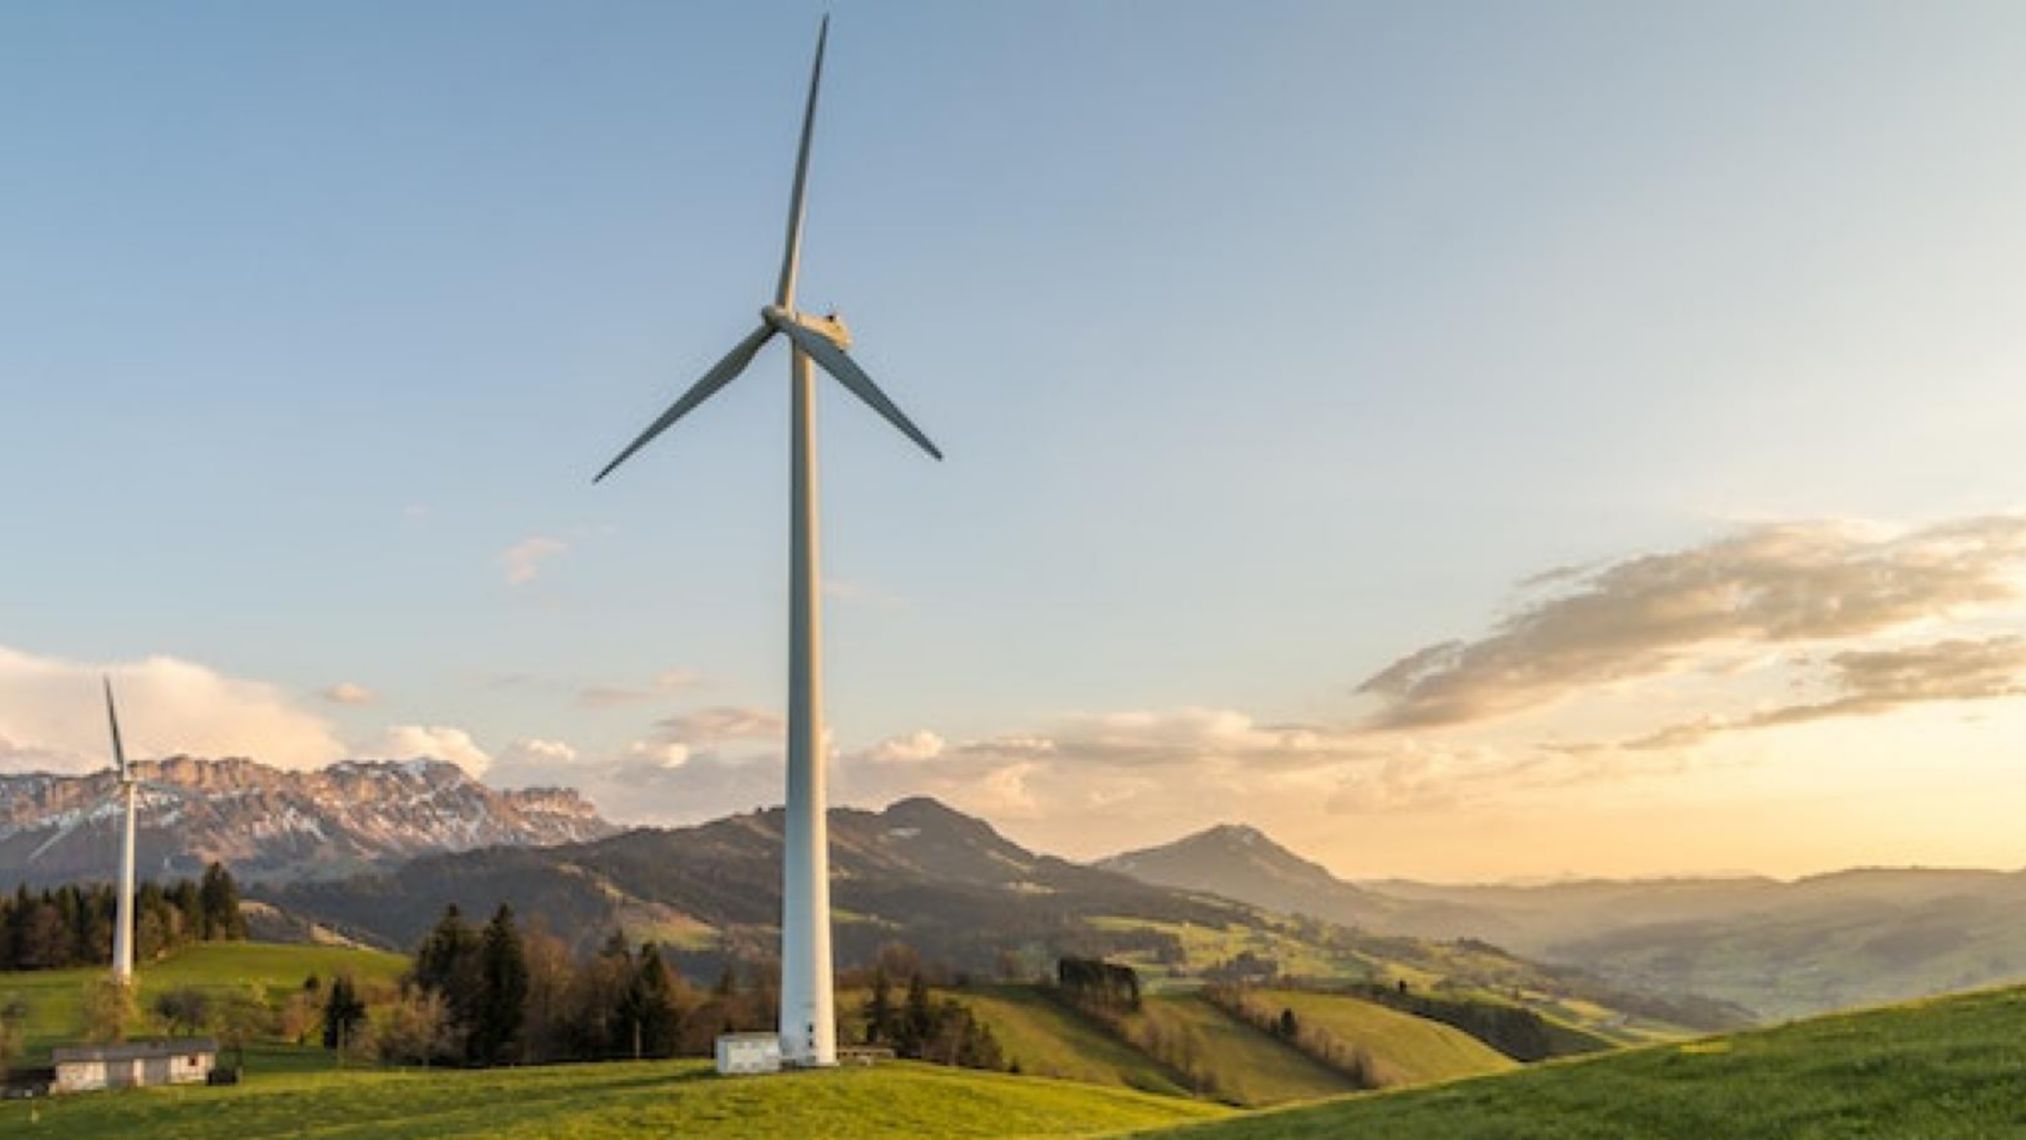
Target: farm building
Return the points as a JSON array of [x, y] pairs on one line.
[[749, 1053], [179, 1061]]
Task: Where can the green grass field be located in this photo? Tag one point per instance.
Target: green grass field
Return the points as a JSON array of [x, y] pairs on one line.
[[1251, 1068], [1047, 1040], [56, 997], [1947, 1069], [1405, 1049], [594, 1102]]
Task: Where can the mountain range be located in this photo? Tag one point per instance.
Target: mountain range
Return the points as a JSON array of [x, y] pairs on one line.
[[374, 850], [1782, 949], [271, 823]]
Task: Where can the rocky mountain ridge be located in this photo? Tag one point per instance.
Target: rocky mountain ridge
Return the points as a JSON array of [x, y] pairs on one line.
[[273, 823]]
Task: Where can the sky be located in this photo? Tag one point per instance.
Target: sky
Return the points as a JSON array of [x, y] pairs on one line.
[[1465, 440]]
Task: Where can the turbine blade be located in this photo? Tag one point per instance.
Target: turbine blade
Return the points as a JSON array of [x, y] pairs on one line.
[[113, 719], [839, 364], [791, 255], [721, 374]]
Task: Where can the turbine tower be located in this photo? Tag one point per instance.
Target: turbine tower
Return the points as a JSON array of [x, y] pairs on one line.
[[123, 922], [808, 1015]]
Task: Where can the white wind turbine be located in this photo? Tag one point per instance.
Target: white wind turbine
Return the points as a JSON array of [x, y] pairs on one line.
[[123, 923], [808, 1017]]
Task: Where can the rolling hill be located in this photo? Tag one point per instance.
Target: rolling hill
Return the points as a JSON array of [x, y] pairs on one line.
[[1765, 947], [1405, 1049], [947, 884], [55, 997], [1946, 1069], [1240, 862], [607, 1102]]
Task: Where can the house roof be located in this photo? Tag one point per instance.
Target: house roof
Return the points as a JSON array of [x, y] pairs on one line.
[[134, 1050]]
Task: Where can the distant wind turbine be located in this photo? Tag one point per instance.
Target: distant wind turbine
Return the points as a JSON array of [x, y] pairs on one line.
[[123, 922], [808, 1016]]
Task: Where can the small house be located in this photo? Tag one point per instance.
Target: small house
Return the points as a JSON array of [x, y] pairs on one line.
[[177, 1061], [740, 1053]]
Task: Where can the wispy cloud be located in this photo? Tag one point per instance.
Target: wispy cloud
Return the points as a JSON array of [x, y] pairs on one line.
[[348, 693], [1775, 585], [523, 560], [1869, 682], [662, 685]]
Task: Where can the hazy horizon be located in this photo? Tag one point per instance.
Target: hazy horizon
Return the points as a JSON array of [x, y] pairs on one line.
[[1467, 443]]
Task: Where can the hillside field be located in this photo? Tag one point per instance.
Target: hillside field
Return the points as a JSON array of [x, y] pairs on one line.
[[623, 1099], [1404, 1048], [1046, 1040], [55, 997], [1945, 1069]]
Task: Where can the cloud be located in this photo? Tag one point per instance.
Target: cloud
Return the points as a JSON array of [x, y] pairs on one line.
[[52, 717], [533, 762], [523, 560], [433, 742], [662, 685], [348, 693], [721, 724], [1642, 617], [1869, 682], [912, 748], [1176, 763]]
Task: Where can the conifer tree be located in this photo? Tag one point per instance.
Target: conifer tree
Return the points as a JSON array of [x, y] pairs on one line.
[[503, 992], [879, 1009], [447, 963], [344, 1013], [218, 902], [918, 1021]]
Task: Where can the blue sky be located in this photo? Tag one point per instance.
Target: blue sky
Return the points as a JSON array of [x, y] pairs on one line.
[[1269, 343]]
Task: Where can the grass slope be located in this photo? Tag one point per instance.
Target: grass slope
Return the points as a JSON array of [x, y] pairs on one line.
[[1404, 1048], [56, 997], [1250, 1067], [1947, 1069], [595, 1102], [1047, 1040]]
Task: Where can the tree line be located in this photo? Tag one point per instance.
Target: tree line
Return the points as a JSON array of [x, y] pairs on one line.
[[507, 994], [504, 994], [72, 925]]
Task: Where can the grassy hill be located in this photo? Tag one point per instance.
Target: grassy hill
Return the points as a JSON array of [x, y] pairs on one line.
[[595, 1102], [55, 997], [1944, 1069], [1247, 1067], [1405, 1049], [1046, 1040]]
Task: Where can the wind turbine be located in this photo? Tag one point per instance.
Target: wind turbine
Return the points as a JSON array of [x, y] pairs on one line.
[[123, 923], [808, 1014]]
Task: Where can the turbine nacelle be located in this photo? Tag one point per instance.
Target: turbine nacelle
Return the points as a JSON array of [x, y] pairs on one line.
[[829, 326]]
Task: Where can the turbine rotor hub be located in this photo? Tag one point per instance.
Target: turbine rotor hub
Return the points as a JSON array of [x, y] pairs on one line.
[[830, 326]]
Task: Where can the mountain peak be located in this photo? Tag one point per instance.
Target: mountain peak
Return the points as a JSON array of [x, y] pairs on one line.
[[268, 822]]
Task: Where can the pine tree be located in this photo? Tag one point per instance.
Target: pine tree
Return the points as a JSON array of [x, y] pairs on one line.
[[654, 1006], [503, 972], [918, 1021], [879, 1009], [218, 903], [447, 963], [344, 1013]]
